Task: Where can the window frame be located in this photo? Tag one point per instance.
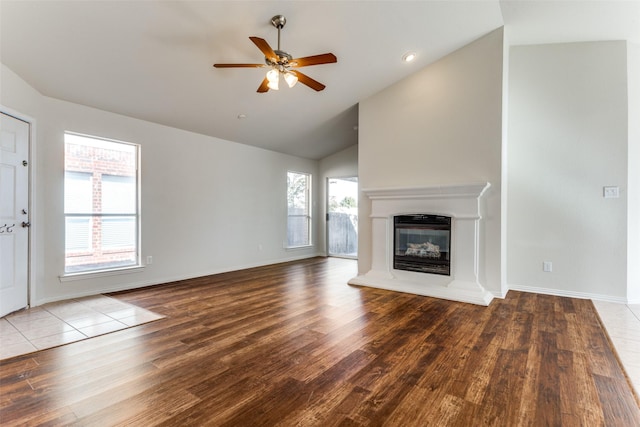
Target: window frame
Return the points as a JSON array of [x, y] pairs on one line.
[[137, 217], [308, 214]]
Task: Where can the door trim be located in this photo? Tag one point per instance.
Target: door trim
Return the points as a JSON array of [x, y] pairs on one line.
[[31, 264], [326, 216]]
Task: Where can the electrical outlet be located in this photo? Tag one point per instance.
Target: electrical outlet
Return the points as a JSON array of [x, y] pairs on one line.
[[611, 192], [547, 266], [149, 260]]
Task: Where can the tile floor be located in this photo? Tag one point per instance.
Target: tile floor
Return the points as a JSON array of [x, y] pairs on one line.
[[623, 326], [64, 322]]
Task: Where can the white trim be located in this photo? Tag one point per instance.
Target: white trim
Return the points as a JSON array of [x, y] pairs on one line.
[[436, 191], [31, 198], [162, 281], [501, 295], [94, 141], [449, 290], [569, 294], [326, 214], [504, 168], [297, 248], [309, 211], [71, 277]]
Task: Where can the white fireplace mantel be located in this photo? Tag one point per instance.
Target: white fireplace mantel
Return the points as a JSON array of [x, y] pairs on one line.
[[462, 204], [433, 192]]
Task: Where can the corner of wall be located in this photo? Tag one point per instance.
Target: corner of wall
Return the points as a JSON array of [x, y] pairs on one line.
[[633, 181], [504, 287]]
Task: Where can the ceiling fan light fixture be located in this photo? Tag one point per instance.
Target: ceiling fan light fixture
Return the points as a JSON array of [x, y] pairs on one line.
[[273, 76], [290, 78]]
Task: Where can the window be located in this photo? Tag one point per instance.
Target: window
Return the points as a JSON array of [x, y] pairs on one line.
[[101, 201], [78, 199], [298, 211]]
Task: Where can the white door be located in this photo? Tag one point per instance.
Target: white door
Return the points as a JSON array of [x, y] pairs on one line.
[[14, 214]]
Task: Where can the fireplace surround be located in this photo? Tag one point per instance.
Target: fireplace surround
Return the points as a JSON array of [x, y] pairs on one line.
[[459, 202]]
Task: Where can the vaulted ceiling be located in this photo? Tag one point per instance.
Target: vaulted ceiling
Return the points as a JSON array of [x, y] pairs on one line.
[[153, 60]]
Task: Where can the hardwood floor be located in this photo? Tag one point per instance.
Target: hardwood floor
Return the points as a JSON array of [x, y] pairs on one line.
[[292, 344]]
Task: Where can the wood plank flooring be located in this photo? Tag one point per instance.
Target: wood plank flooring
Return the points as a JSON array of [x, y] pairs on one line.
[[293, 344]]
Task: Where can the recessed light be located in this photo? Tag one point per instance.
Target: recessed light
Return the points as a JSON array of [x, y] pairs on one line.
[[242, 116], [409, 56]]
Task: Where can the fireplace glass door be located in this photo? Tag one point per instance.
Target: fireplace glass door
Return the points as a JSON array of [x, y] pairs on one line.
[[422, 243]]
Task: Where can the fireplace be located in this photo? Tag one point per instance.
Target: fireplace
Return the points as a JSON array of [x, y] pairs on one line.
[[435, 230], [421, 243]]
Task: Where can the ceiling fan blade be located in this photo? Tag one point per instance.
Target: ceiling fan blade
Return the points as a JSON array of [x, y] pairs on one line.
[[239, 65], [264, 86], [265, 48], [306, 80], [325, 58]]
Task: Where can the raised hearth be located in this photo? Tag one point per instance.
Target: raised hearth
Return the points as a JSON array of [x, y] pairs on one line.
[[459, 202]]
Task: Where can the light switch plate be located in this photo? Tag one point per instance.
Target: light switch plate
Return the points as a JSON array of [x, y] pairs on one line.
[[611, 192]]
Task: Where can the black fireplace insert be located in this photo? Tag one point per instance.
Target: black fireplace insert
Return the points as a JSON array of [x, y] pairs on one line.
[[422, 243]]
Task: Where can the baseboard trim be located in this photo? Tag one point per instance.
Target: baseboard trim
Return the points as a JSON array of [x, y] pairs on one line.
[[570, 294], [160, 281], [169, 279]]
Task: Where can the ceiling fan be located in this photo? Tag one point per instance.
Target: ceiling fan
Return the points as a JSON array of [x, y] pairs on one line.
[[282, 64]]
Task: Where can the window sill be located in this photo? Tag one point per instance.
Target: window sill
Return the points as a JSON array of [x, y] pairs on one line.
[[70, 277], [296, 248]]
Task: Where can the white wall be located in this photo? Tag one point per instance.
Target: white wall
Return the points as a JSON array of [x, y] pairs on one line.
[[343, 164], [568, 139], [207, 203], [442, 125], [633, 200], [23, 97]]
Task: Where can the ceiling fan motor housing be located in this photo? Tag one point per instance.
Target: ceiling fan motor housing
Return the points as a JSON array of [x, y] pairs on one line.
[[283, 59]]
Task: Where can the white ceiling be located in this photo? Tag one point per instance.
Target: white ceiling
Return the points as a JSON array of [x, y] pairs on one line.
[[153, 59]]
